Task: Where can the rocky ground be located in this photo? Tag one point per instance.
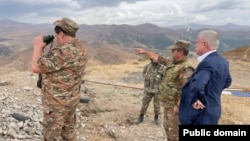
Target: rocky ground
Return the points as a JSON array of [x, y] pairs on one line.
[[109, 115], [111, 112]]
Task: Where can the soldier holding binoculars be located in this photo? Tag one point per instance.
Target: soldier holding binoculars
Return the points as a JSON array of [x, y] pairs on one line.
[[61, 69]]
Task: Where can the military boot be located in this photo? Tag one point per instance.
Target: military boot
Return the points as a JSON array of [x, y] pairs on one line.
[[140, 119], [157, 121]]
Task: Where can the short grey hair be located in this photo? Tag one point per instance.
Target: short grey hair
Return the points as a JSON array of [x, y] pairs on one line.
[[211, 36]]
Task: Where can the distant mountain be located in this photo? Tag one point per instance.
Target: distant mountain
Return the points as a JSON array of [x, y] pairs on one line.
[[9, 26], [145, 35], [97, 54], [226, 27], [16, 37], [158, 38]]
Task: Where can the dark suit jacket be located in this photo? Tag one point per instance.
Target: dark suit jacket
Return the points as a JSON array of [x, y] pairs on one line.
[[206, 84]]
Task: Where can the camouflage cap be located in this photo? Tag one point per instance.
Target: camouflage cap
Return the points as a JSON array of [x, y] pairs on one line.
[[181, 44], [68, 25]]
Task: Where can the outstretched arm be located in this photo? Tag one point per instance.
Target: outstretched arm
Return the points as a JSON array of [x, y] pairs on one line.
[[151, 55]]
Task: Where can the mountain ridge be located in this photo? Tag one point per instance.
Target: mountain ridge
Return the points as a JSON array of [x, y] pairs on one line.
[[16, 40]]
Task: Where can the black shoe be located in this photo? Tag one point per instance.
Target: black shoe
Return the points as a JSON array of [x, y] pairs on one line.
[[157, 121], [140, 119]]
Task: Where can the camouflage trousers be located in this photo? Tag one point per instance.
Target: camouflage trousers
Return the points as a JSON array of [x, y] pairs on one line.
[[171, 122], [59, 119], [146, 100]]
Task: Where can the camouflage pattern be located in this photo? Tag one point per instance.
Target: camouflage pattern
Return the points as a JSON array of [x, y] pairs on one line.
[[174, 78], [152, 73], [67, 25], [181, 44], [146, 100], [171, 122], [62, 71]]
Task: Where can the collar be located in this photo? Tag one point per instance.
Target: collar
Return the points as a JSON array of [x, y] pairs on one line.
[[203, 56]]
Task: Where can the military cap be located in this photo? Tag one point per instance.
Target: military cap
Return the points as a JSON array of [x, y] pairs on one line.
[[68, 25], [181, 44]]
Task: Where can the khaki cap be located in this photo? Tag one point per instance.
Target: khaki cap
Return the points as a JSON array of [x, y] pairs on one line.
[[68, 25], [181, 44]]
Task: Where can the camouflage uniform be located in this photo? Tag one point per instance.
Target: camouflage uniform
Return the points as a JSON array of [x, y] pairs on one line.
[[152, 73], [63, 68], [176, 74]]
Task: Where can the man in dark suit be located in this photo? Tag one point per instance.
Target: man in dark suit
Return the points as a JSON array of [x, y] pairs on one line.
[[200, 102]]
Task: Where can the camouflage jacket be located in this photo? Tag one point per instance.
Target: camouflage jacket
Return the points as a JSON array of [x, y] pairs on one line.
[[152, 73], [62, 70], [175, 76]]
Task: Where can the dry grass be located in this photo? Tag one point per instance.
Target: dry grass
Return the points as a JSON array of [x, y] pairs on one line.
[[112, 110], [240, 73], [115, 73], [235, 109]]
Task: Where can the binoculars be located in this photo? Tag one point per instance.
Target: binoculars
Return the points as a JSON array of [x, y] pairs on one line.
[[48, 39]]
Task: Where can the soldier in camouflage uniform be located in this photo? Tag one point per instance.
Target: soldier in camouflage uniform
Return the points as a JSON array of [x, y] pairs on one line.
[[152, 73], [177, 71], [62, 69]]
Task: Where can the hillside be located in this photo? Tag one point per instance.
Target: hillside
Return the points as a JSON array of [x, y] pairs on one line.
[[241, 53], [15, 36], [98, 54]]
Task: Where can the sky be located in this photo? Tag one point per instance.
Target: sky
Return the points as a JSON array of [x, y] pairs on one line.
[[133, 12]]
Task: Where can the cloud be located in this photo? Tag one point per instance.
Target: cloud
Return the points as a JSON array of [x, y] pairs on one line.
[[17, 8], [208, 5], [37, 11], [159, 12], [103, 3]]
